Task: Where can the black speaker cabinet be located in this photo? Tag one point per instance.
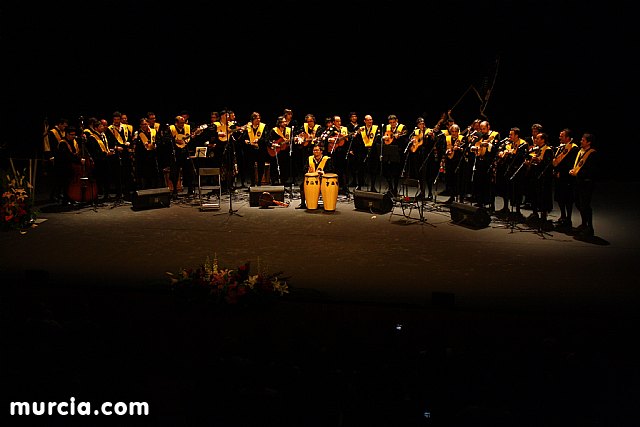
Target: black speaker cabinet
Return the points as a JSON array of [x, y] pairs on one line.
[[469, 215], [151, 198], [277, 191], [372, 202]]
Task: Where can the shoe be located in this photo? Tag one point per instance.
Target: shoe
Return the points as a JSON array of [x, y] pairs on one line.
[[430, 197], [581, 227], [559, 222], [586, 232], [533, 217], [547, 225], [301, 206], [515, 216], [450, 200]]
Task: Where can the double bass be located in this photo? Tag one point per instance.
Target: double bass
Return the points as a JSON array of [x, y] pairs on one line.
[[83, 188]]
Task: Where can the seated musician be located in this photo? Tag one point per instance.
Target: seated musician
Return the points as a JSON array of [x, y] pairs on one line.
[[315, 163]]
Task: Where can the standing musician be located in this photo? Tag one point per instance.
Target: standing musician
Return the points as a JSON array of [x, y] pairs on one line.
[[529, 193], [563, 161], [254, 145], [352, 127], [509, 175], [415, 154], [99, 151], [434, 143], [120, 139], [454, 146], [67, 154], [207, 135], [482, 153], [278, 148], [337, 149], [148, 166], [235, 131], [365, 160], [540, 175], [55, 136], [319, 163], [585, 172], [394, 135], [182, 166]]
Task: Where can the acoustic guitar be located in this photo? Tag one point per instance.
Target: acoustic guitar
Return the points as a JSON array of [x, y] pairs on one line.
[[416, 142], [277, 146], [338, 141], [266, 200], [392, 136], [183, 139], [304, 139]]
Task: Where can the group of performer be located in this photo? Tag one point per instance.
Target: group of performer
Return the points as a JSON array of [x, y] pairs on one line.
[[474, 164]]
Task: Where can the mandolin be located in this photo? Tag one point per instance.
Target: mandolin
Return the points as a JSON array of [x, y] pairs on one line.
[[266, 200]]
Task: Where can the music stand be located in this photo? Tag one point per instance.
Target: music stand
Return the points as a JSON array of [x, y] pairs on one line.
[[201, 152]]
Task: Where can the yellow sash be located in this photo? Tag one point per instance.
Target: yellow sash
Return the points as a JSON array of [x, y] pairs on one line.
[[116, 133], [59, 136], [149, 145], [287, 132], [321, 165], [313, 131], [257, 135], [368, 137], [95, 136], [398, 128], [567, 148], [581, 158], [181, 139]]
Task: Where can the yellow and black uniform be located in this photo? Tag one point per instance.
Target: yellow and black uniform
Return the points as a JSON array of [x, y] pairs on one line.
[[323, 164]]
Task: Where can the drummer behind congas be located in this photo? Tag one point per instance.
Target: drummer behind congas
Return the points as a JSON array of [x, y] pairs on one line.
[[315, 163]]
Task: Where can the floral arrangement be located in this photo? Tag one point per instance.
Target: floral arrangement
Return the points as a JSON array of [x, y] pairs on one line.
[[17, 204], [227, 286]]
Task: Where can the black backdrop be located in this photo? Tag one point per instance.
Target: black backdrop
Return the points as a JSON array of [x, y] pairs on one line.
[[562, 64]]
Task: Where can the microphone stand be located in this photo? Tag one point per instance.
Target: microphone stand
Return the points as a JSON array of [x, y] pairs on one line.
[[381, 157], [231, 155], [87, 156], [291, 173], [346, 158]]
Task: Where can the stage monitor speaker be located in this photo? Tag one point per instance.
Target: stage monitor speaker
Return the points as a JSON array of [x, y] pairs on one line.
[[372, 202], [151, 198], [469, 215], [277, 191]]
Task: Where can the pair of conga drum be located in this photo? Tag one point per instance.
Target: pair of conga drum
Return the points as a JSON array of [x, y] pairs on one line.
[[325, 185]]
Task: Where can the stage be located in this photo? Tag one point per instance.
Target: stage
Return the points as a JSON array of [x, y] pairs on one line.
[[390, 319]]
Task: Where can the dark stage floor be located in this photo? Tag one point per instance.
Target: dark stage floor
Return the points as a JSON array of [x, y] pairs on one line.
[[390, 320]]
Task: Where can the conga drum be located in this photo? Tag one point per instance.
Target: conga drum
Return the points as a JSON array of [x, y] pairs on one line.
[[311, 189], [329, 191]]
